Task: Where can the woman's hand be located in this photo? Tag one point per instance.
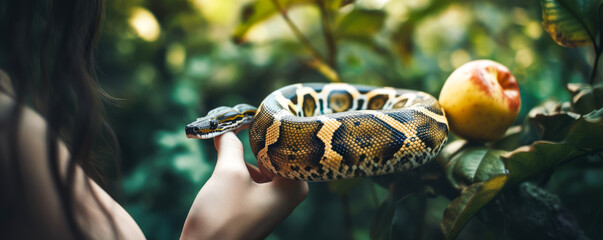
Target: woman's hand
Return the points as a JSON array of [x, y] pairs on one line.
[[240, 201]]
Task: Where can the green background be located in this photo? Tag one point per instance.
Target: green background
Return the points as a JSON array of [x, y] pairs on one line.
[[171, 61]]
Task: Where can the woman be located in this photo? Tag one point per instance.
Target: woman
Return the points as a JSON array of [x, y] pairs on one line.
[[51, 124]]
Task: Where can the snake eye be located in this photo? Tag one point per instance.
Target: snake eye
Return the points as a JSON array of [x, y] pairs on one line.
[[213, 124]]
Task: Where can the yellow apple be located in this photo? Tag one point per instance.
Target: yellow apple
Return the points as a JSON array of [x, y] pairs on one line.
[[481, 100]]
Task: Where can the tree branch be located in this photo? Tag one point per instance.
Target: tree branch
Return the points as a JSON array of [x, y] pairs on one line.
[[347, 217], [327, 28], [319, 62], [593, 74]]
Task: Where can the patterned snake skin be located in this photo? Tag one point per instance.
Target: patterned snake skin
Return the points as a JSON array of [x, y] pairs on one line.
[[320, 132]]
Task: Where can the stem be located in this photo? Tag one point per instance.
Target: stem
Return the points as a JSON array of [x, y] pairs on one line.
[[374, 193], [593, 221], [598, 47], [593, 74], [421, 218], [583, 154], [328, 32], [347, 217], [319, 62]]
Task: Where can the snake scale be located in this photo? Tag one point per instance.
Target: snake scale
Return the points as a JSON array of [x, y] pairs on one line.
[[320, 132]]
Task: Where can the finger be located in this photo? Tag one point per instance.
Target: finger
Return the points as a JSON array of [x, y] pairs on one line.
[[242, 127], [230, 153], [265, 171], [295, 191], [256, 174]]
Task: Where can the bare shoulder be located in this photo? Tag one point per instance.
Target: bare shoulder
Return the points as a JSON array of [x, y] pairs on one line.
[[96, 212], [5, 84], [6, 104], [6, 96]]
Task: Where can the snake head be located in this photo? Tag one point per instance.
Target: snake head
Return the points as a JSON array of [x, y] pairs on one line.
[[203, 128], [219, 121]]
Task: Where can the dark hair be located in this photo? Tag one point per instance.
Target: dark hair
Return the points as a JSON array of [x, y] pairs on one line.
[[46, 47]]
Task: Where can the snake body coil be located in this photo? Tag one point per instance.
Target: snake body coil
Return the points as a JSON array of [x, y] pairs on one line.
[[318, 132]]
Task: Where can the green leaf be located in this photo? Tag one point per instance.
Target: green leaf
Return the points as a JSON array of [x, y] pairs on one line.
[[586, 97], [381, 225], [541, 155], [549, 121], [555, 126], [258, 11], [585, 136], [400, 187], [476, 163], [360, 24], [552, 120], [587, 132], [335, 5], [490, 166], [450, 150], [511, 140], [471, 200], [571, 23]]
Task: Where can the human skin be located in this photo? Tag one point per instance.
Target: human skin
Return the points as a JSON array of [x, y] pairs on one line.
[[248, 201], [41, 209], [238, 201]]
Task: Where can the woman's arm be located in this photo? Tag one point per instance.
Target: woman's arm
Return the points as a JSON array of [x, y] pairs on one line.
[[43, 216], [239, 201]]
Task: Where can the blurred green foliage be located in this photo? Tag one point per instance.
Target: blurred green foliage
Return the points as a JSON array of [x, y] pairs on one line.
[[172, 61]]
